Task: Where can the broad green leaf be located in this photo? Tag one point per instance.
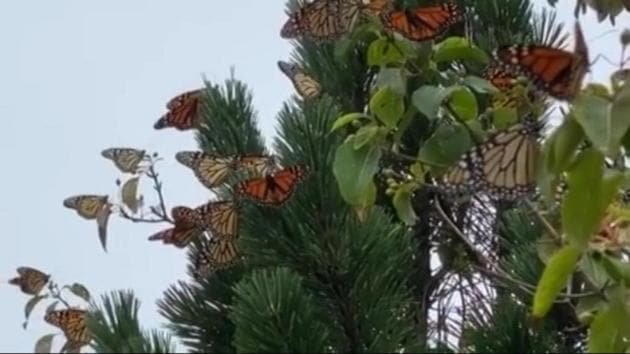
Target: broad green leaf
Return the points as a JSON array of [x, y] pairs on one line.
[[504, 117], [388, 106], [365, 135], [554, 279], [619, 119], [80, 291], [446, 145], [347, 119], [382, 52], [402, 203], [52, 307], [30, 305], [546, 247], [588, 306], [607, 329], [562, 145], [479, 84], [392, 78], [44, 344], [354, 171], [459, 48], [428, 99], [592, 113], [129, 194], [464, 103], [594, 270]]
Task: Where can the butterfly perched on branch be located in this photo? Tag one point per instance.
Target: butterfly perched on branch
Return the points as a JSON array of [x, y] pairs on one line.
[[306, 86], [187, 228], [72, 323], [214, 254], [322, 20], [30, 280], [183, 111], [423, 22], [221, 218], [555, 71], [274, 188], [126, 159]]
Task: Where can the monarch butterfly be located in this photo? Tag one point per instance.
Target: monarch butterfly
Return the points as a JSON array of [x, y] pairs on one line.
[[30, 280], [183, 117], [558, 72], [72, 323], [503, 166], [506, 79], [87, 206], [322, 20], [180, 99], [213, 255], [305, 85], [262, 165], [423, 22], [126, 159], [375, 7], [221, 218], [186, 228], [274, 188]]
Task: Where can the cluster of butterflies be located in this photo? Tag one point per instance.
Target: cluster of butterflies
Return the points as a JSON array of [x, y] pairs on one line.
[[71, 321], [270, 185], [99, 207]]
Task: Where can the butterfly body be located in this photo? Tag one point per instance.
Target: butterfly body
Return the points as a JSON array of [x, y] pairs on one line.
[[305, 85], [423, 22], [275, 188], [72, 323], [30, 280]]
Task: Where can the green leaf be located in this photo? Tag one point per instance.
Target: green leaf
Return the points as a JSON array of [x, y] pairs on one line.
[[354, 171], [402, 203], [80, 291], [592, 113], [446, 145], [479, 84], [504, 117], [367, 135], [347, 119], [44, 344], [619, 119], [607, 330], [428, 99], [392, 78], [459, 48], [617, 269], [588, 306], [554, 279], [561, 146], [382, 52], [592, 267], [30, 305], [388, 106], [464, 103], [52, 307]]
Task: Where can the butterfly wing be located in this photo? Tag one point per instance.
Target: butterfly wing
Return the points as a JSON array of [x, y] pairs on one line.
[[126, 159], [30, 280], [182, 98], [262, 165], [87, 206], [322, 20], [306, 86], [210, 170], [72, 323], [221, 218], [273, 189], [423, 22], [376, 7], [184, 117], [213, 255], [179, 238]]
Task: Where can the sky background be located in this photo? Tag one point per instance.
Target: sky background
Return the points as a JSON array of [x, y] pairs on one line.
[[77, 77]]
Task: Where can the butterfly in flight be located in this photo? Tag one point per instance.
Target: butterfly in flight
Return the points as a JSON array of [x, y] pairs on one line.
[[87, 206], [220, 218], [183, 113], [126, 159], [30, 280], [503, 166], [72, 323], [423, 23], [557, 72], [213, 255], [274, 188], [322, 20], [305, 85], [187, 228]]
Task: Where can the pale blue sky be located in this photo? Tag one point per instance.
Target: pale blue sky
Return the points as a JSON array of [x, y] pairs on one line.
[[77, 77]]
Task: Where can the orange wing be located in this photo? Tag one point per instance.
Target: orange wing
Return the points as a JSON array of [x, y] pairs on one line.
[[188, 226], [183, 117], [275, 188], [423, 22], [180, 99]]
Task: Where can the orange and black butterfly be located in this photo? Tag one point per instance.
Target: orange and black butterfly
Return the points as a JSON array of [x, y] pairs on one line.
[[30, 280], [513, 92], [183, 114], [322, 20], [88, 206], [555, 71], [187, 228], [72, 323], [375, 7], [126, 159], [305, 85], [261, 164], [213, 255], [274, 188], [423, 22], [220, 218]]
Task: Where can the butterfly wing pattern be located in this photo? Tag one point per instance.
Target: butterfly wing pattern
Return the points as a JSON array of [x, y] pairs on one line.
[[183, 112], [30, 280], [221, 218], [186, 229], [210, 170], [306, 86], [275, 188], [322, 20], [72, 323], [213, 255], [87, 206], [126, 159], [423, 22]]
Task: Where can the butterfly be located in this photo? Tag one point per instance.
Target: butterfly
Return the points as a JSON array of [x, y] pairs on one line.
[[212, 170], [221, 218], [305, 85], [503, 166], [423, 22], [72, 323], [182, 98], [507, 80], [87, 206], [557, 72], [322, 20], [375, 7], [274, 188], [187, 228], [30, 280], [126, 159], [184, 114], [213, 255]]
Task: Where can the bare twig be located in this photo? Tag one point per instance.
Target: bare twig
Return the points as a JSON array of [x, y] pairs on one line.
[[157, 185], [55, 293], [124, 214]]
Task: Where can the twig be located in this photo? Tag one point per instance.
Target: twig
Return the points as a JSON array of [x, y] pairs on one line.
[[161, 219], [544, 221], [55, 293], [157, 185]]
